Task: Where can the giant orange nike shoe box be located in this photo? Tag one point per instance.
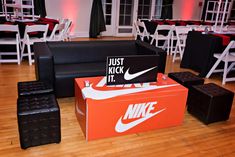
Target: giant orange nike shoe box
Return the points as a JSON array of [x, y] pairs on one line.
[[107, 111]]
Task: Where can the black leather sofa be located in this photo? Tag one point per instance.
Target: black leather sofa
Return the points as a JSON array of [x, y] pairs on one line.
[[60, 62]]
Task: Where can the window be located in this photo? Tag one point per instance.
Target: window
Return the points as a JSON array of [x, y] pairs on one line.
[[126, 13], [144, 9], [107, 8], [145, 6], [157, 9]]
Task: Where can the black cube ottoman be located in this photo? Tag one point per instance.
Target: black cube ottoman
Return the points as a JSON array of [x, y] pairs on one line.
[[38, 120], [34, 88], [186, 79], [210, 102]]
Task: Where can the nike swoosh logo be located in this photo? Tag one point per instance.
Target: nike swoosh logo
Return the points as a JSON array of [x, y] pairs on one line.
[[90, 92], [121, 127], [128, 76]]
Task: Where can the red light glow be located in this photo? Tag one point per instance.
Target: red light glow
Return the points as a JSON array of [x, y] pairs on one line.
[[188, 7], [69, 10]]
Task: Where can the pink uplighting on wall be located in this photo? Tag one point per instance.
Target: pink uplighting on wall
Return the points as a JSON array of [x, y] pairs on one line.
[[187, 9], [69, 10]]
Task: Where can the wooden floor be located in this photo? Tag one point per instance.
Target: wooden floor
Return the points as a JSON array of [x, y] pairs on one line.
[[192, 138]]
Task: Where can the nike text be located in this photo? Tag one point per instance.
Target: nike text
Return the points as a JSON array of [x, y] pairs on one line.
[[116, 61], [116, 70], [139, 110]]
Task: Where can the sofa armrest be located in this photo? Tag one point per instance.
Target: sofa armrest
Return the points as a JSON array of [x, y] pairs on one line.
[[144, 48], [44, 63]]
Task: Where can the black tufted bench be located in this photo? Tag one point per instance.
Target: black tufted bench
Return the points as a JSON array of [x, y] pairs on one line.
[[187, 79], [210, 102], [38, 120], [33, 88]]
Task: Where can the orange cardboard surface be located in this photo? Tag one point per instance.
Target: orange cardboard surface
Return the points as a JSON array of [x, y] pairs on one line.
[[107, 111]]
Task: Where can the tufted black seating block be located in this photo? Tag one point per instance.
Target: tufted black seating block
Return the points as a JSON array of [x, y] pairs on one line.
[[210, 102], [38, 120], [187, 79], [34, 88]]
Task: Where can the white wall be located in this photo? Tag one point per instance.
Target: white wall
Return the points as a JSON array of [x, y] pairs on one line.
[[76, 10], [79, 12], [187, 9]]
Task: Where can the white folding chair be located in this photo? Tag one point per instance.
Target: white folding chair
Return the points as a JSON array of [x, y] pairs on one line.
[[193, 27], [57, 34], [231, 28], [10, 41], [54, 18], [181, 34], [157, 37], [204, 28], [141, 30], [136, 29], [226, 57], [173, 38], [28, 40], [63, 20], [217, 28], [67, 28]]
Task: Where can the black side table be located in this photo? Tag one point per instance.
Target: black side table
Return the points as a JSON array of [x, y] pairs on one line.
[[34, 88], [210, 102], [187, 79], [38, 120]]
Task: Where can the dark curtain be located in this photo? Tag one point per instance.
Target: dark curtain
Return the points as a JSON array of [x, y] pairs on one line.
[[97, 22], [40, 8], [204, 10], [167, 9], [0, 6]]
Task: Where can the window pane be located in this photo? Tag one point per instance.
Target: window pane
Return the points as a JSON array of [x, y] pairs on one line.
[[128, 1], [128, 20], [122, 1], [108, 20], [122, 9], [146, 10], [139, 10], [147, 2], [158, 9], [145, 17], [128, 9], [141, 2], [121, 20], [108, 9]]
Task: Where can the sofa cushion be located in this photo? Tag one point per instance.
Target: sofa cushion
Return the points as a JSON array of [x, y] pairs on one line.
[[80, 70], [65, 74], [93, 51]]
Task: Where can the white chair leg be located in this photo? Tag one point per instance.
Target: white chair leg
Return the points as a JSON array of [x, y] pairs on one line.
[[230, 67], [175, 51], [174, 55], [156, 44], [18, 53], [152, 41], [135, 36], [213, 68], [180, 49], [22, 52], [29, 54], [172, 44], [168, 46], [181, 52], [225, 72]]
